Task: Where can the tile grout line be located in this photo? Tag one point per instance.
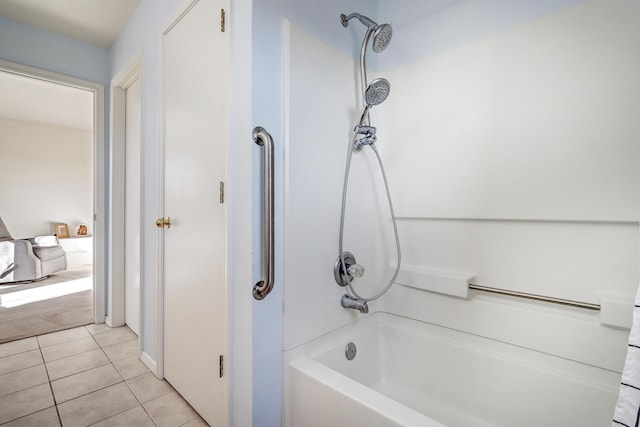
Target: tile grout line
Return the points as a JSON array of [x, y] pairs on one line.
[[197, 414], [53, 396], [196, 417], [46, 333], [18, 370], [111, 345], [128, 387], [79, 372], [20, 352], [78, 354], [92, 336], [134, 395], [85, 394], [61, 342], [123, 380], [139, 402], [113, 366], [92, 391], [30, 413], [109, 362]]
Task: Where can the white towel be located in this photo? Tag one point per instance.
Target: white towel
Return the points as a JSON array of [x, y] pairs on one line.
[[627, 411]]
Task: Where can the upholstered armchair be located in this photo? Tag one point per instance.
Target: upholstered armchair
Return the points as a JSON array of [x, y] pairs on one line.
[[29, 259]]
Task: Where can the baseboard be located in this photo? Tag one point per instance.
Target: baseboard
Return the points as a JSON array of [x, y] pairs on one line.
[[109, 321], [151, 364]]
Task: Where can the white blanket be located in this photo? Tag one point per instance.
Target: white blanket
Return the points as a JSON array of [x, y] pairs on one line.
[[627, 411], [6, 258]]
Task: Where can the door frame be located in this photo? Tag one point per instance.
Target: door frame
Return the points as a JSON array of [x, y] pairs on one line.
[[99, 209], [116, 286]]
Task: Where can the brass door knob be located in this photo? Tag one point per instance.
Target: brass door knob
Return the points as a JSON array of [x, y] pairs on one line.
[[163, 222]]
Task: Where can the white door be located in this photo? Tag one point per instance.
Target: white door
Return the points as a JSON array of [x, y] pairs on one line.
[[132, 208], [195, 63]]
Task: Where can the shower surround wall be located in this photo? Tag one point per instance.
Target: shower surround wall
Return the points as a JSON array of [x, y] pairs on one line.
[[525, 147], [315, 152], [512, 156]]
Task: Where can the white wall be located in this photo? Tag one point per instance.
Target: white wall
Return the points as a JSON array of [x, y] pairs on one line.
[[47, 177], [425, 28], [535, 122], [514, 158]]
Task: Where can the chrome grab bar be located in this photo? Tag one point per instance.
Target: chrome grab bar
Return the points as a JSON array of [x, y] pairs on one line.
[[553, 300], [263, 287]]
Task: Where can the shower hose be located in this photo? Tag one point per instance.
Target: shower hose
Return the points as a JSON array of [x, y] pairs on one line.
[[342, 214]]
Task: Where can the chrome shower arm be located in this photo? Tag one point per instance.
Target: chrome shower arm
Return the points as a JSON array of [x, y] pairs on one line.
[[344, 19]]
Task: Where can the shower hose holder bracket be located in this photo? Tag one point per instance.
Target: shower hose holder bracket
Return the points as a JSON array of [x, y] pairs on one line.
[[368, 136]]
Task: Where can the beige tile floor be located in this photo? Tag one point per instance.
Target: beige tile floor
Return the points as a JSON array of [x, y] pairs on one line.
[[89, 375]]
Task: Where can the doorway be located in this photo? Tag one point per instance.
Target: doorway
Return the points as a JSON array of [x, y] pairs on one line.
[[132, 208], [53, 132], [125, 215]]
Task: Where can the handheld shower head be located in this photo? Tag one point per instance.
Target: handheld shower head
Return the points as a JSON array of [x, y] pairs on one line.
[[381, 33], [377, 92]]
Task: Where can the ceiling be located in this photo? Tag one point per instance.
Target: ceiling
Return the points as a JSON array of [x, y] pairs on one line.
[[94, 21]]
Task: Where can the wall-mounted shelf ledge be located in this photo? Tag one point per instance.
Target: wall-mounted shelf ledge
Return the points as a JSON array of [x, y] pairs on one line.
[[439, 281]]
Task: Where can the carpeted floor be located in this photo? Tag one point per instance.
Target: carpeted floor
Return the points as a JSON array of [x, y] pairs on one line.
[[62, 301]]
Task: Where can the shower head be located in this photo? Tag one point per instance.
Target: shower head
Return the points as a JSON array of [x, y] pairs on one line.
[[381, 33], [377, 92], [382, 37]]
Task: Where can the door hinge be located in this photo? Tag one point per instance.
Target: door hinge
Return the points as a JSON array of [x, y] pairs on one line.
[[222, 20], [221, 192], [220, 366]]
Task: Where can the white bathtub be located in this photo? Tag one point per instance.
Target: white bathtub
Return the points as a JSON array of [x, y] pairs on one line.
[[409, 373]]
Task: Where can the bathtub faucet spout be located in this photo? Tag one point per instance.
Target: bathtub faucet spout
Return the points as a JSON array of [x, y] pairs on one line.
[[357, 304]]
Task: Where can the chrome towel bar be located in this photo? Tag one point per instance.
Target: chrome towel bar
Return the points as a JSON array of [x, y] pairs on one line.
[[577, 304], [263, 287]]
